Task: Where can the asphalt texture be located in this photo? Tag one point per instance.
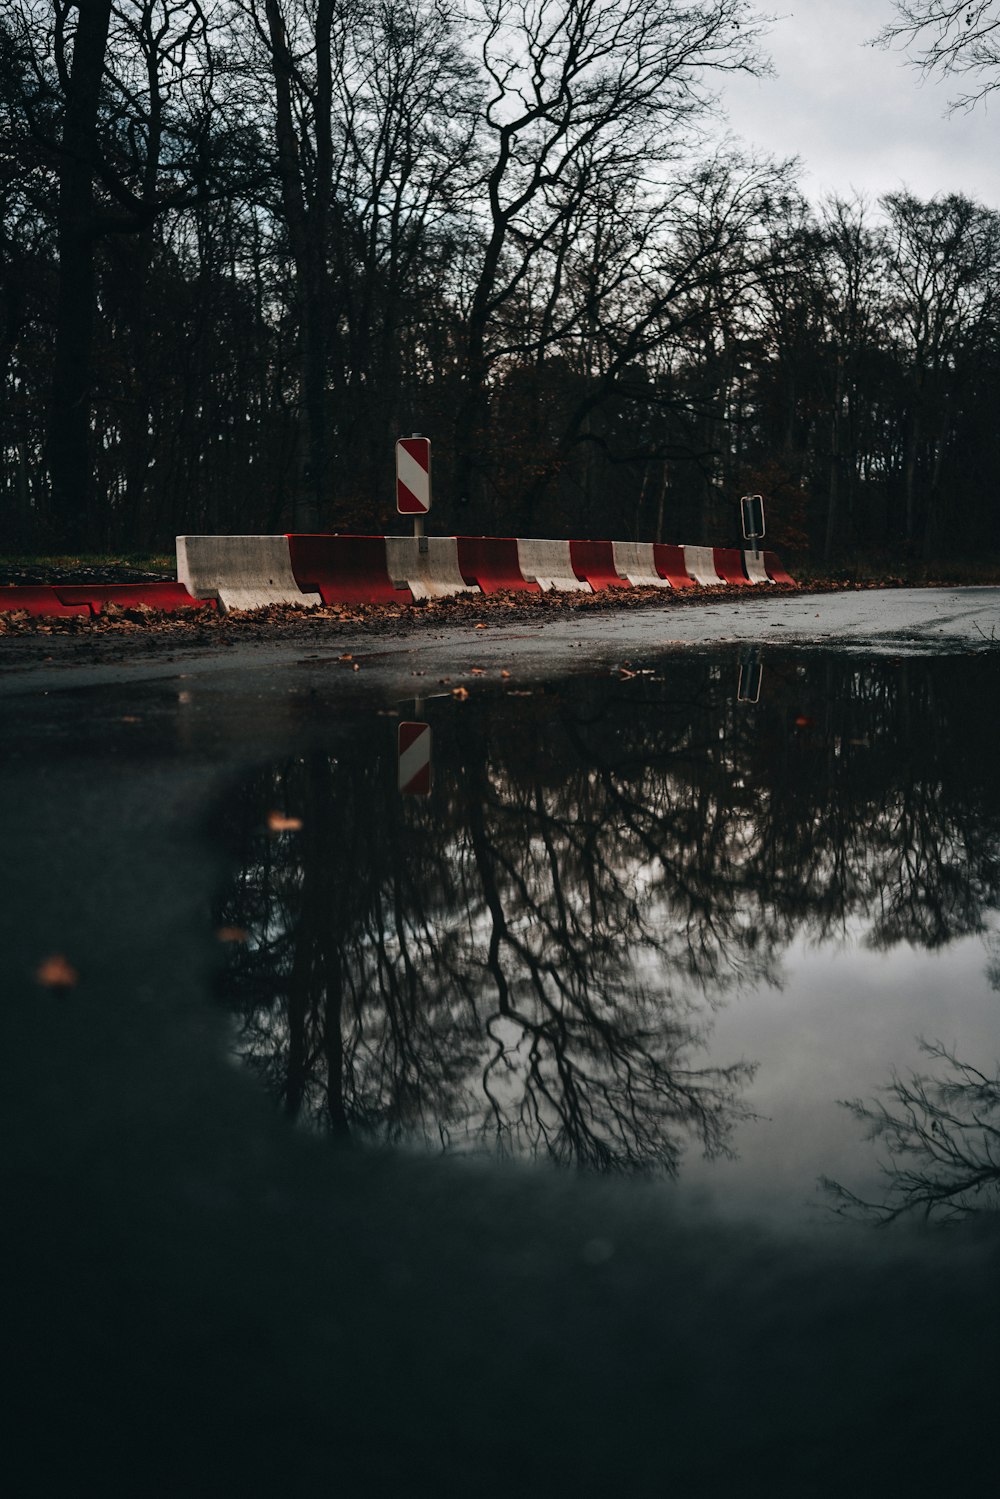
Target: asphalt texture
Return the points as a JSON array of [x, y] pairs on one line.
[[203, 1300], [394, 648]]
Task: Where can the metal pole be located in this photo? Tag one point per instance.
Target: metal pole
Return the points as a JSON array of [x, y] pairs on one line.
[[418, 520]]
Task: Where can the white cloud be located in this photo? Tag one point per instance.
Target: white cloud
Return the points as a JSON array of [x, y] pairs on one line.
[[859, 117]]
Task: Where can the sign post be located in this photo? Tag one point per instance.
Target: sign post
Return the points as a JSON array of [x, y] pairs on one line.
[[413, 479], [748, 683], [752, 509]]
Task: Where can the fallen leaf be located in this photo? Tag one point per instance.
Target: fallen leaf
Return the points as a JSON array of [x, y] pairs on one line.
[[356, 666], [460, 692], [345, 658], [477, 671], [56, 973], [504, 672], [278, 823], [481, 626], [130, 718], [802, 722]]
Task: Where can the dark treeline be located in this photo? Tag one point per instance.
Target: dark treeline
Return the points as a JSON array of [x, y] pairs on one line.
[[247, 244], [529, 962]]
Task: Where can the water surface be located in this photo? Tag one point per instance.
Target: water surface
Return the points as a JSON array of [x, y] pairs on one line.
[[671, 921]]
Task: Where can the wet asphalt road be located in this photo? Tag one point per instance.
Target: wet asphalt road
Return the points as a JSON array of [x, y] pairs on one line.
[[202, 1301], [877, 620]]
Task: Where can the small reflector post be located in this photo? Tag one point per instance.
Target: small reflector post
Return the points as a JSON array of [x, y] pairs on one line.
[[752, 508]]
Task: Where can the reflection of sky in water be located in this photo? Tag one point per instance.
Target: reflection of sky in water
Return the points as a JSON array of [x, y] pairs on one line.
[[615, 908], [845, 1019]]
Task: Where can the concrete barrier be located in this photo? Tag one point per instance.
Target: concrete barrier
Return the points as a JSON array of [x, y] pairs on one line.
[[754, 564], [594, 561], [700, 565], [344, 569], [670, 565], [775, 571], [430, 571], [491, 562], [548, 564], [166, 596], [242, 572], [729, 564], [38, 599], [250, 572], [636, 562]]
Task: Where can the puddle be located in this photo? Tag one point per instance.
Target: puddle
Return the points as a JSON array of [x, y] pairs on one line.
[[668, 923]]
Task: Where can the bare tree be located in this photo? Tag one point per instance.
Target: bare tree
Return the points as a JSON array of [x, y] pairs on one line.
[[941, 273], [580, 96], [126, 100], [942, 1132], [958, 38]]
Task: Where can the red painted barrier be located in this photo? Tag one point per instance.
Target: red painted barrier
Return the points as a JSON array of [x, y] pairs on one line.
[[491, 562], [594, 563], [345, 569], [729, 565], [670, 565], [41, 599], [774, 569], [166, 596]]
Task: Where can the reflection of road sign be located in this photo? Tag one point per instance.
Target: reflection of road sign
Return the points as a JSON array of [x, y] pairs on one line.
[[752, 506], [751, 672], [413, 475], [414, 759]]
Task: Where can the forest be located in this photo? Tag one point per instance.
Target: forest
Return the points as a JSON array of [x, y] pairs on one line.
[[248, 243]]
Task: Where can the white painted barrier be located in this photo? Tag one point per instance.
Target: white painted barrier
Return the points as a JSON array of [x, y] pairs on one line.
[[699, 563], [548, 564], [634, 560], [242, 572], [754, 564], [432, 573]]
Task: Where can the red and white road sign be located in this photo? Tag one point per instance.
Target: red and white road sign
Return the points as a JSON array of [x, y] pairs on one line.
[[413, 475], [414, 759]]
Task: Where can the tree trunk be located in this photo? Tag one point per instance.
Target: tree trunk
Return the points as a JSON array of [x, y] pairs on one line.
[[69, 439], [307, 218]]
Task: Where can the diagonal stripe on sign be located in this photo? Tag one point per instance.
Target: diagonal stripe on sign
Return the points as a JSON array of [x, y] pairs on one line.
[[413, 476], [415, 758]]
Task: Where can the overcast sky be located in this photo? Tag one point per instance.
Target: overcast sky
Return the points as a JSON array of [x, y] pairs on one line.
[[860, 117]]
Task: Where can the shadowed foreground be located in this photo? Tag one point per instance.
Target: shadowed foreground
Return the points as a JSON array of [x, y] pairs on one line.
[[203, 1300]]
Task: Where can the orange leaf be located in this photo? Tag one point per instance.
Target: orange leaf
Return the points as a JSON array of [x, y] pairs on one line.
[[56, 973], [279, 823], [460, 692]]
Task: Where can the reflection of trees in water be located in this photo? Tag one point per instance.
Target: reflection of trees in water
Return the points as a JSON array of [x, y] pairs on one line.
[[501, 976], [942, 1133], [531, 959]]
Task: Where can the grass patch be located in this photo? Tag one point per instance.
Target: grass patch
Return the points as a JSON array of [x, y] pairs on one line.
[[153, 561]]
